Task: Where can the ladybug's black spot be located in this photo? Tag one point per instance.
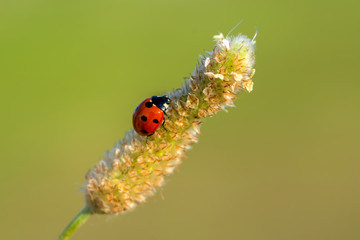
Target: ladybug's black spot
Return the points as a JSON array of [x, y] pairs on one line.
[[143, 118], [143, 131], [148, 104], [156, 121]]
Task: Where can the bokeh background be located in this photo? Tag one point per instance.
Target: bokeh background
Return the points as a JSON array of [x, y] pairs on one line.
[[283, 164]]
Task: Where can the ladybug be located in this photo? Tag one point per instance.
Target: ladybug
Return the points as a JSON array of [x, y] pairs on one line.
[[149, 115]]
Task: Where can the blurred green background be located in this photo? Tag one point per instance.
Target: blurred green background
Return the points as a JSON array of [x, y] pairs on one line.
[[283, 164]]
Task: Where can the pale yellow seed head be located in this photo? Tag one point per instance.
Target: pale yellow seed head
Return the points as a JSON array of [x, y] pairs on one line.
[[135, 167]]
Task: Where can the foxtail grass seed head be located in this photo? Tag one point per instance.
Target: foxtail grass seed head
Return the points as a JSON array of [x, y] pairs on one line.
[[135, 168]]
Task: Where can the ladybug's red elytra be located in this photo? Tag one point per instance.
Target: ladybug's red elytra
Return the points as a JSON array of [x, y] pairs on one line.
[[149, 115]]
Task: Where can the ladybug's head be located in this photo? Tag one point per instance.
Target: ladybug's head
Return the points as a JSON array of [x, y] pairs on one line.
[[161, 102], [167, 99]]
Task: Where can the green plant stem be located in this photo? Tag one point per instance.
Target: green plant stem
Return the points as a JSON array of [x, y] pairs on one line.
[[81, 218]]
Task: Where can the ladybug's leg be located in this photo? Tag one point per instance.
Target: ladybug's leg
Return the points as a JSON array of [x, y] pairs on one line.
[[147, 137], [163, 125]]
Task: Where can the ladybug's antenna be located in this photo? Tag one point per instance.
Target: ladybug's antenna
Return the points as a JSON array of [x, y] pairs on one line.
[[233, 28]]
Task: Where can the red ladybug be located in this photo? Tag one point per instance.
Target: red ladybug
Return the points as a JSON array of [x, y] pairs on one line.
[[149, 115]]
